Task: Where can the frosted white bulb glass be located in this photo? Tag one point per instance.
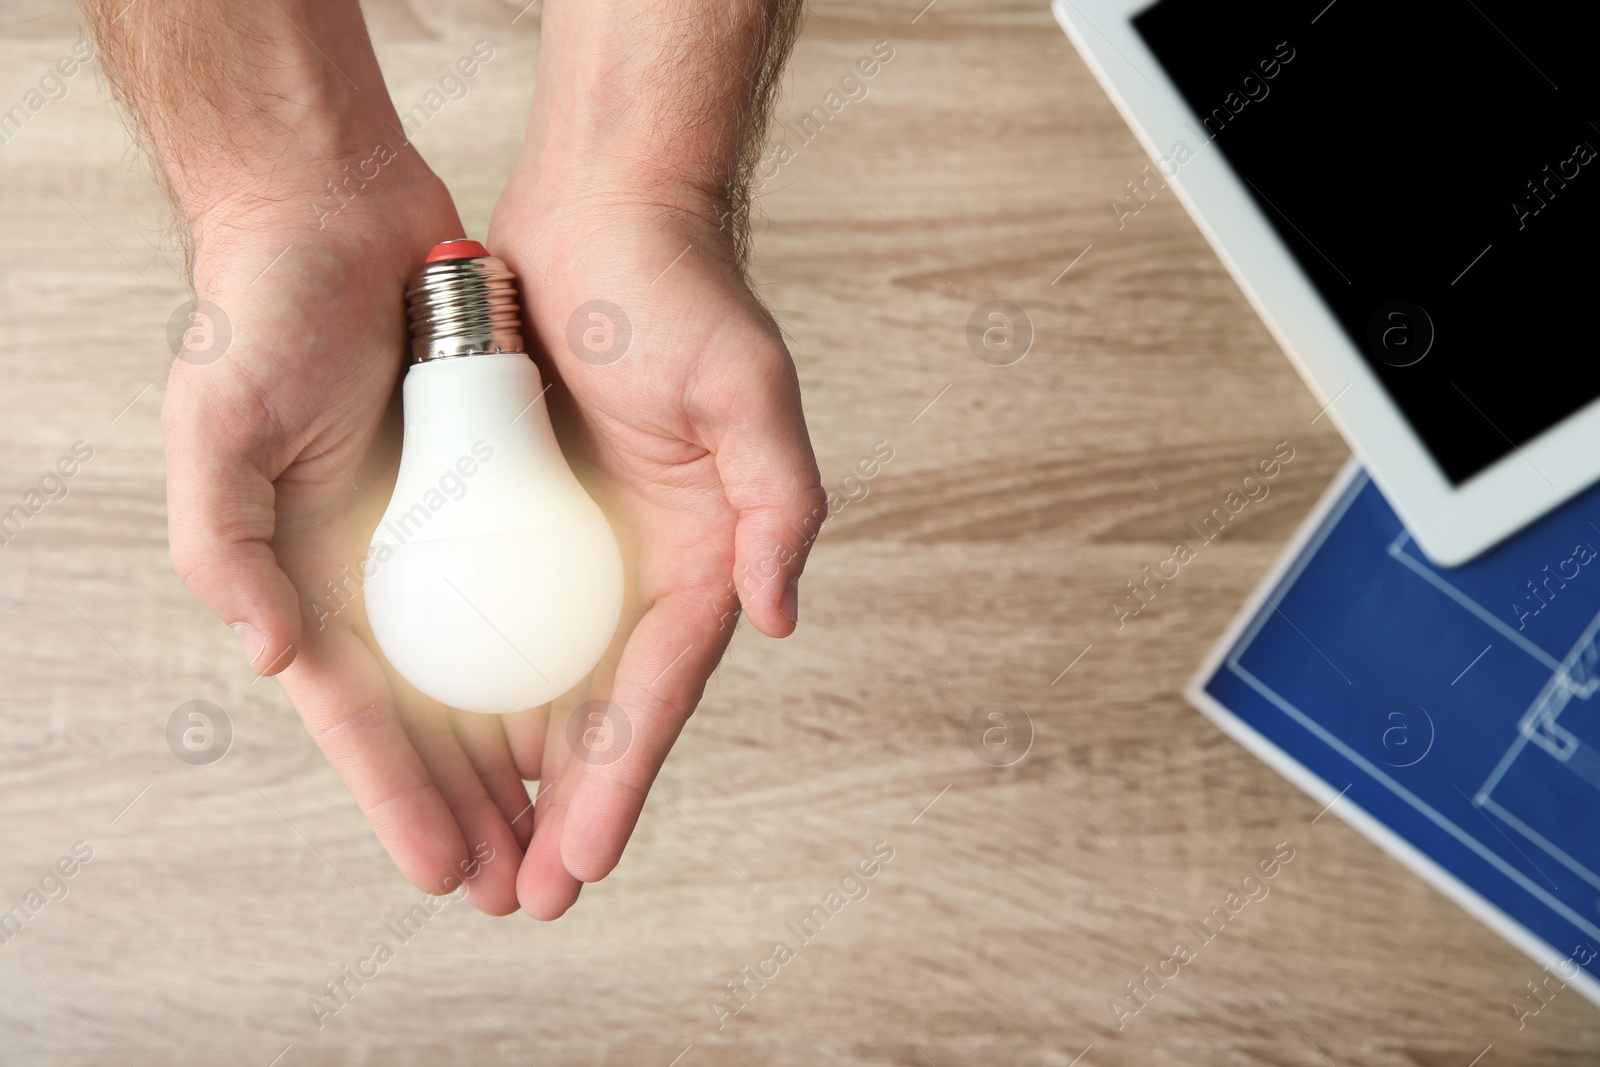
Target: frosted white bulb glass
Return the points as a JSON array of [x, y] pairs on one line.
[[493, 582]]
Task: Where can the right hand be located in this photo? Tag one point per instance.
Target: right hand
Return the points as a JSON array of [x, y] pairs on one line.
[[281, 454]]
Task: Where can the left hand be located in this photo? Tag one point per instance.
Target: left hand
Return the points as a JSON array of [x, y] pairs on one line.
[[678, 406]]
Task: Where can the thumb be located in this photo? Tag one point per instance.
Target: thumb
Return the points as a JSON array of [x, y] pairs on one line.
[[220, 523], [769, 475]]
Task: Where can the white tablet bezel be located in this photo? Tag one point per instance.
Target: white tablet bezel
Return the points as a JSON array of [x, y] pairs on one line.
[[1450, 523]]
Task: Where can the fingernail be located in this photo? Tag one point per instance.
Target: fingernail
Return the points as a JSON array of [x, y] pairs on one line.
[[789, 603], [252, 639]]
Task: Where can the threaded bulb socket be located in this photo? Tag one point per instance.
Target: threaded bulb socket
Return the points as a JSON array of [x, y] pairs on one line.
[[463, 302]]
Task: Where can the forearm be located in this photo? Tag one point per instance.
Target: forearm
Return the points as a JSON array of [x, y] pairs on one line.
[[662, 100], [242, 104]]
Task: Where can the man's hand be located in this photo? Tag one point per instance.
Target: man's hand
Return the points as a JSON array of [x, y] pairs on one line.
[[673, 394], [678, 406], [281, 455], [308, 212], [282, 452]]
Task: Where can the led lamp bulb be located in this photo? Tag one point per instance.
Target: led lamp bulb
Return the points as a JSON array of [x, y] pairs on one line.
[[494, 582]]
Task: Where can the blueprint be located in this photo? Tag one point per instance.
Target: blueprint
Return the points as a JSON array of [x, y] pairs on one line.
[[1449, 714]]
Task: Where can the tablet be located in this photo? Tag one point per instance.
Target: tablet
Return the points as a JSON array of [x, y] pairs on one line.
[[1409, 196], [1447, 714]]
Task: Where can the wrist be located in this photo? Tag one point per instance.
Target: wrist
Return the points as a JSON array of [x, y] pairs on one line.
[[563, 230], [655, 103], [286, 91], [296, 228], [569, 189], [376, 186]]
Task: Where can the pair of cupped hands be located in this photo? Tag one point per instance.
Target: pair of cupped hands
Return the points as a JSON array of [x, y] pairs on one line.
[[282, 454]]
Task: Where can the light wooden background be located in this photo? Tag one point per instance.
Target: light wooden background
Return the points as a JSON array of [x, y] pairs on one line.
[[1015, 508]]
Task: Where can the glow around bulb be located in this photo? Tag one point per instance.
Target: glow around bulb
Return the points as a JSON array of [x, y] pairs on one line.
[[496, 583]]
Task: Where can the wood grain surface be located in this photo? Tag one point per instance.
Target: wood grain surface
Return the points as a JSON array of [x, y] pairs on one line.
[[981, 562]]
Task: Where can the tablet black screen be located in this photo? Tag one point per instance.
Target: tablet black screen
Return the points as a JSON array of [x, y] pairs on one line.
[[1435, 169]]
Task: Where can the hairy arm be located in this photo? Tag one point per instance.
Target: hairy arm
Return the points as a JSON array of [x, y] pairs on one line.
[[242, 106], [668, 101]]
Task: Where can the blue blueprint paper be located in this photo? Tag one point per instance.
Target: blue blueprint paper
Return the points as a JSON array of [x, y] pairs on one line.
[[1456, 708]]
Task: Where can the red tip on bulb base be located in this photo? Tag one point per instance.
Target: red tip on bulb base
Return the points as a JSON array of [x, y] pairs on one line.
[[459, 248]]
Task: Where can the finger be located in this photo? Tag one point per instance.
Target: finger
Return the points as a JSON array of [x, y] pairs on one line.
[[577, 719], [769, 475], [525, 732], [346, 704], [545, 888], [221, 460], [491, 884], [483, 740], [663, 671]]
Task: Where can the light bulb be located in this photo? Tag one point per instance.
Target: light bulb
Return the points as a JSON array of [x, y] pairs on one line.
[[493, 582]]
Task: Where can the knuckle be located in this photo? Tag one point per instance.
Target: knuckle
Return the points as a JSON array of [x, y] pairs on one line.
[[369, 716], [813, 502], [196, 561]]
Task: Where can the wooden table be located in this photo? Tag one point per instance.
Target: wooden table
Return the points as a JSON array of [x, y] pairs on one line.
[[982, 562]]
